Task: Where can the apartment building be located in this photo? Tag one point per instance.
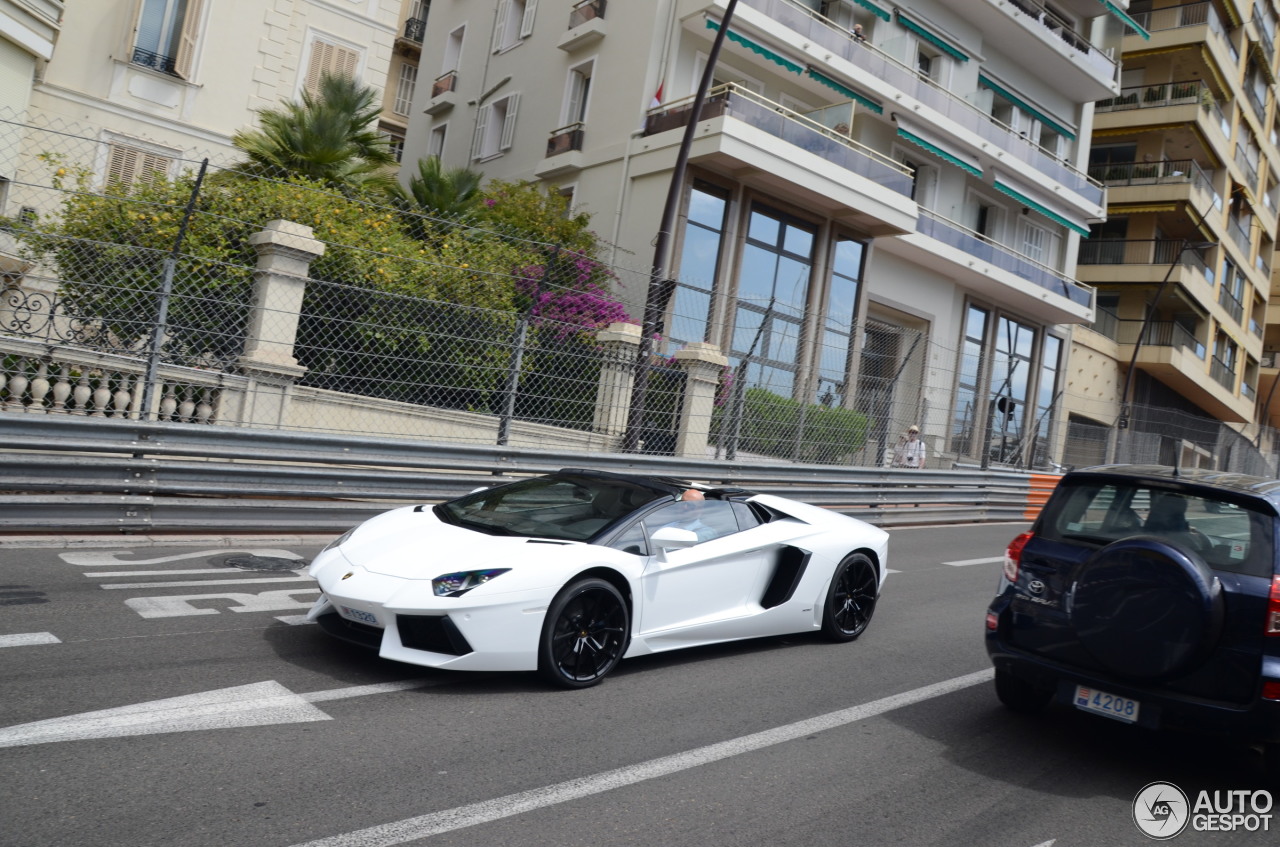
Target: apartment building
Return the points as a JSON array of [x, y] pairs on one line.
[[402, 75], [916, 187], [1188, 152]]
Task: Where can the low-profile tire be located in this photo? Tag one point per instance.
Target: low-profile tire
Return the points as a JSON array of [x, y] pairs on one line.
[[1020, 696], [851, 598], [584, 634]]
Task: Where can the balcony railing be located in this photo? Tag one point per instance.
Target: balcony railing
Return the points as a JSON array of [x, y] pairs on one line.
[[1161, 252], [822, 32], [415, 29], [1159, 334], [444, 83], [1228, 301], [949, 232], [586, 10], [1262, 17], [782, 123], [1105, 323], [1053, 22], [1154, 96], [155, 61], [1176, 17], [1114, 174], [565, 138], [1240, 236], [1222, 373]]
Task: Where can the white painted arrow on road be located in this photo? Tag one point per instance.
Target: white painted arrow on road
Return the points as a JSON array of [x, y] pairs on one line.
[[257, 704]]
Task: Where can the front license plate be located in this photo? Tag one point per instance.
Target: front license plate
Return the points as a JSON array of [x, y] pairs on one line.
[[1110, 705], [359, 616]]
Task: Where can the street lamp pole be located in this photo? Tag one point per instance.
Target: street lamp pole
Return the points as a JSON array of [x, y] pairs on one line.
[[1122, 422], [659, 290]]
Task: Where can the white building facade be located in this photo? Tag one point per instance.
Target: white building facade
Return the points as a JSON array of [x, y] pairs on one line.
[[918, 192]]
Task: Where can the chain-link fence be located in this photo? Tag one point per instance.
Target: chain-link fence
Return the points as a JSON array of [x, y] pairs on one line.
[[149, 286]]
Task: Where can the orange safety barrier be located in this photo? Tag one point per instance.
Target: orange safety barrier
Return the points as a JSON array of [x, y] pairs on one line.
[[1042, 485]]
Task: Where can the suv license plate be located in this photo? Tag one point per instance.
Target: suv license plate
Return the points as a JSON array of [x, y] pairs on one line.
[[359, 616], [1110, 705]]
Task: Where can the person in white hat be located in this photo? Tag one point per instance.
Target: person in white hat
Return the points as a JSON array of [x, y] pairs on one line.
[[910, 452]]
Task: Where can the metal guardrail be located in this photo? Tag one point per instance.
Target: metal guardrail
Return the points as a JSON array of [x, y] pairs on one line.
[[95, 474]]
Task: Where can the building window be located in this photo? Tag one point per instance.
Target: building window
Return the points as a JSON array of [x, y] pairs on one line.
[[966, 417], [332, 59], [395, 143], [699, 260], [128, 167], [839, 318], [435, 145], [496, 127], [773, 292], [404, 88], [165, 39], [576, 91], [514, 22], [1047, 395]]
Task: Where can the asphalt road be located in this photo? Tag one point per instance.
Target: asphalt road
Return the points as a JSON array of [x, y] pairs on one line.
[[170, 696]]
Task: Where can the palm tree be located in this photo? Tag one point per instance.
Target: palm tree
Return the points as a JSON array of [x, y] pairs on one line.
[[439, 192], [330, 137]]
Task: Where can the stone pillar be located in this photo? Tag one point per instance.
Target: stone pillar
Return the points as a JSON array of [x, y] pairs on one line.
[[620, 341], [703, 364], [285, 252]]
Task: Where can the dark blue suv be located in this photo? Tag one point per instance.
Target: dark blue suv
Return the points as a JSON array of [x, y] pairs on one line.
[[1151, 596]]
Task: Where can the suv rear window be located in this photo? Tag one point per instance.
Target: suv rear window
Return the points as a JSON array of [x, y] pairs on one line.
[[1229, 536]]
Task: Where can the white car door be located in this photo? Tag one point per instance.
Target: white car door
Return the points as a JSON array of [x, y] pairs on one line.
[[719, 578]]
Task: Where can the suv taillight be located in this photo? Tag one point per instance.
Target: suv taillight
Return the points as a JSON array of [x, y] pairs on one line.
[[1013, 556], [1273, 608]]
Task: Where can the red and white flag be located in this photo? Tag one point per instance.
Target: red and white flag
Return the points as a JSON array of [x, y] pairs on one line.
[[657, 97]]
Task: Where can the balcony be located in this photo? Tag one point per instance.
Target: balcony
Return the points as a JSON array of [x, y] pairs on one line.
[[1186, 25], [154, 61], [1046, 280], [444, 94], [814, 167], [1107, 262], [1156, 183], [1228, 301], [586, 26], [415, 29], [892, 81], [1172, 354], [564, 152], [1186, 112]]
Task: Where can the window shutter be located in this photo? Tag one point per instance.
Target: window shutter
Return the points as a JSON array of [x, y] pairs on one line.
[[526, 25], [482, 123], [329, 58], [509, 123], [187, 39], [500, 25], [121, 167]]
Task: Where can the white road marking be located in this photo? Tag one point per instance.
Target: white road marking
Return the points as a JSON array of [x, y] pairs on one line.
[[24, 639], [179, 606], [990, 560], [257, 704], [193, 572], [294, 620], [107, 558], [201, 582], [435, 823]]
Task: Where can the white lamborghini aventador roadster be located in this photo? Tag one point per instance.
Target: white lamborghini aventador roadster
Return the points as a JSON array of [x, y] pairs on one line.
[[569, 573]]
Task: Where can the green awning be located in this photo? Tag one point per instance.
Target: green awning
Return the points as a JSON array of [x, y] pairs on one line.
[[756, 48], [1048, 213], [939, 152], [1128, 21], [931, 38], [846, 91], [873, 9], [1026, 107]]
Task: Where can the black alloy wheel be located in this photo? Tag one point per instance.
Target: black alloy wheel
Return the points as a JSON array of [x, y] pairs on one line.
[[584, 635], [851, 599]]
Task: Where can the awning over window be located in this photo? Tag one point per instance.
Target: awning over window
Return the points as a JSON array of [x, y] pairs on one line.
[[846, 91], [1128, 21], [939, 147], [873, 9], [1025, 106], [758, 49], [928, 36], [1042, 209]]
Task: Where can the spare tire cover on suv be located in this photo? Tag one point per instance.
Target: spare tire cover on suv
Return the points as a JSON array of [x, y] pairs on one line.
[[1145, 609]]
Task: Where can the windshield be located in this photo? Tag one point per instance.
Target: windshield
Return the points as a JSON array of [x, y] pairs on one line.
[[1229, 536], [569, 508]]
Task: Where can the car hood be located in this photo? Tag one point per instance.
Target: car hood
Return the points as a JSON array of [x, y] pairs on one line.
[[412, 543]]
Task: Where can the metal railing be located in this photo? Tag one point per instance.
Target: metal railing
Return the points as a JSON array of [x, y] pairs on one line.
[[1176, 17], [76, 473], [586, 10], [782, 123], [1169, 171], [415, 29], [1222, 373], [1154, 96], [566, 138], [1139, 251], [979, 246]]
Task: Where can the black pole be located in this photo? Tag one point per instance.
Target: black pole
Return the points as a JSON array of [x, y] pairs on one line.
[[659, 288], [166, 293], [1122, 422]]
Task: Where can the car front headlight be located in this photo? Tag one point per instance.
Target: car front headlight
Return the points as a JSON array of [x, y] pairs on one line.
[[340, 540], [457, 584]]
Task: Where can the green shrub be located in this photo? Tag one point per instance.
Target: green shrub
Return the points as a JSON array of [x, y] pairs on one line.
[[778, 426]]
